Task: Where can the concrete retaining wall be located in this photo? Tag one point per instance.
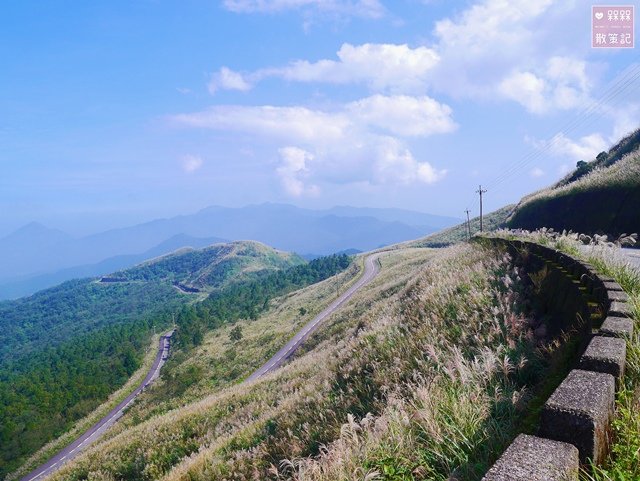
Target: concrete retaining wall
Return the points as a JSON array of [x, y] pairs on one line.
[[575, 422]]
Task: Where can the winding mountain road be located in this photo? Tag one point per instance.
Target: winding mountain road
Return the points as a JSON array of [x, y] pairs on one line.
[[94, 432], [371, 270]]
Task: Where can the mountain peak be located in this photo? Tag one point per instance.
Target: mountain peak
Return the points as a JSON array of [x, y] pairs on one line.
[[36, 229]]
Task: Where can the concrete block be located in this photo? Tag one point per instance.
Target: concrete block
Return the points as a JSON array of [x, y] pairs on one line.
[[530, 458], [620, 296], [612, 286], [617, 327], [605, 354], [580, 412], [620, 309], [605, 278]]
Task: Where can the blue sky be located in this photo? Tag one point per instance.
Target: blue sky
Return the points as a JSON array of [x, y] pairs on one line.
[[115, 112]]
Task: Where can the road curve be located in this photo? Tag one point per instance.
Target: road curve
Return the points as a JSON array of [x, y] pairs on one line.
[[371, 270], [94, 432]]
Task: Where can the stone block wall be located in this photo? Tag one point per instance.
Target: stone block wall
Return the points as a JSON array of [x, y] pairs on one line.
[[576, 420]]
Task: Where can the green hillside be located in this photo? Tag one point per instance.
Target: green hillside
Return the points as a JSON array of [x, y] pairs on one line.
[[65, 349], [601, 196], [212, 267]]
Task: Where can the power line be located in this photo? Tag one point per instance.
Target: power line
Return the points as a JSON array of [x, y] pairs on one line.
[[618, 87]]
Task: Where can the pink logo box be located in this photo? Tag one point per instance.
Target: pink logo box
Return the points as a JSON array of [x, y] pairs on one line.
[[612, 26]]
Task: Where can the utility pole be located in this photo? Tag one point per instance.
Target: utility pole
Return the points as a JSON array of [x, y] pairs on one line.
[[468, 225], [480, 191]]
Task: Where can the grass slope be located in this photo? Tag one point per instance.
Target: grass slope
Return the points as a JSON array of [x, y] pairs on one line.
[[452, 235], [423, 375], [212, 267], [599, 197], [66, 349]]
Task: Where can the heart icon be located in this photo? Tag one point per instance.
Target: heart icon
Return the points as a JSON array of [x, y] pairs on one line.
[[599, 15]]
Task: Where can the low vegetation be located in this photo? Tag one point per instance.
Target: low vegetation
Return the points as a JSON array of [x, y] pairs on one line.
[[212, 267], [459, 233], [598, 197], [99, 332], [424, 375], [623, 463]]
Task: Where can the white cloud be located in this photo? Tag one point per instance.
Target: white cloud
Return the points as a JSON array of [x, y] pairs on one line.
[[293, 171], [300, 123], [498, 49], [395, 164], [562, 85], [356, 8], [398, 115], [382, 67], [586, 148], [495, 49], [536, 172], [526, 89], [191, 163], [359, 142], [403, 115], [229, 80]]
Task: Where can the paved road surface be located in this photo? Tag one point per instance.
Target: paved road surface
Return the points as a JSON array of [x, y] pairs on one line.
[[97, 429], [633, 256], [371, 269]]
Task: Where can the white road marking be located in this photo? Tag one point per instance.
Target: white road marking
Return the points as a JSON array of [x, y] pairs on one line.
[[105, 422]]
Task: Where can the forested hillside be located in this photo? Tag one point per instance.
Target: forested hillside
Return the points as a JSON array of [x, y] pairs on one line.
[[80, 341]]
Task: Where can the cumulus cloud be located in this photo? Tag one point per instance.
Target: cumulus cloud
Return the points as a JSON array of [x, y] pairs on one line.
[[356, 8], [293, 171], [191, 163], [562, 85], [585, 148], [499, 49], [361, 141], [395, 164], [399, 115], [404, 115], [493, 49], [383, 67]]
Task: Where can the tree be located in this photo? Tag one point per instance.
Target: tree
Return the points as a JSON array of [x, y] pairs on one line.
[[235, 334]]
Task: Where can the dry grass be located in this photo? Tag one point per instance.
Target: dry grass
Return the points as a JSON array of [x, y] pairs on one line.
[[419, 377], [623, 464], [459, 233], [624, 173]]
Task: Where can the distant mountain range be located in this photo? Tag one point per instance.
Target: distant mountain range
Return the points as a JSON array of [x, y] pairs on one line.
[[35, 256]]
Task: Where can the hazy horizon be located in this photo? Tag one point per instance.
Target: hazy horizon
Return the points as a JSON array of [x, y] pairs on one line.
[[115, 113], [78, 228]]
